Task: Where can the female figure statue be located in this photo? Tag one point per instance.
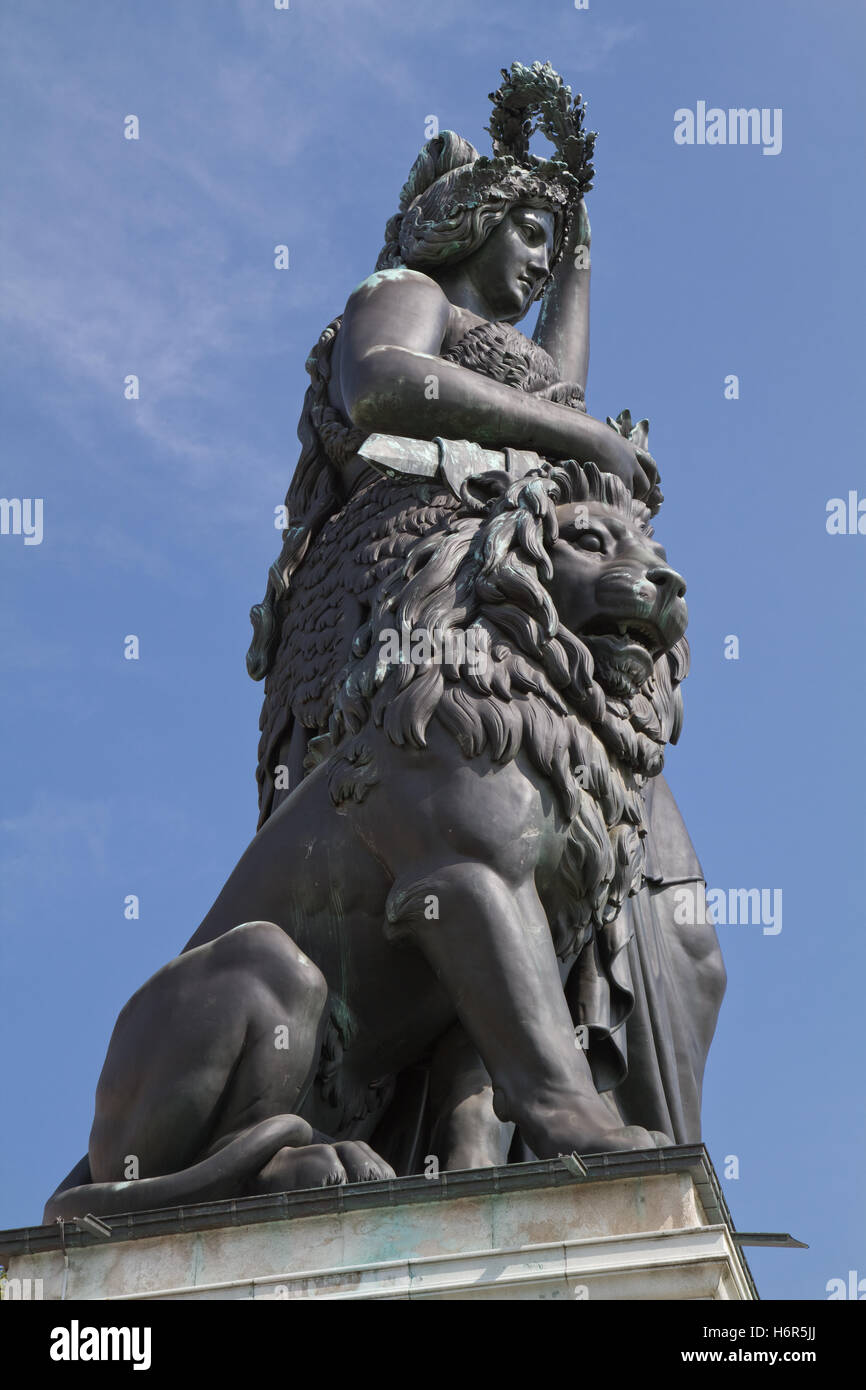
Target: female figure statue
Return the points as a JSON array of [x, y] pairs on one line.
[[427, 348]]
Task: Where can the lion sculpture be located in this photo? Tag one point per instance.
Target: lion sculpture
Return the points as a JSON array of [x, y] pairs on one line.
[[465, 837]]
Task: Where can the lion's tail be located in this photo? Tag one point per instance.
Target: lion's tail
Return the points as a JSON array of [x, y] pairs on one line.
[[221, 1174]]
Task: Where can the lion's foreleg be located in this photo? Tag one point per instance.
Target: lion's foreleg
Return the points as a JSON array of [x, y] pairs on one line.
[[467, 1131], [489, 943]]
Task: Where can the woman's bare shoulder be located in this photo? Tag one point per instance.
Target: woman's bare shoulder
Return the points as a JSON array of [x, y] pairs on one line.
[[399, 283], [402, 285], [403, 307]]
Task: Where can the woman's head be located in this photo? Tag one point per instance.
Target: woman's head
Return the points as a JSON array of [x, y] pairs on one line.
[[503, 277], [454, 200]]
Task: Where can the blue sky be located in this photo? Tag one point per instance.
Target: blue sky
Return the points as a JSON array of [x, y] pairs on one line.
[[155, 257]]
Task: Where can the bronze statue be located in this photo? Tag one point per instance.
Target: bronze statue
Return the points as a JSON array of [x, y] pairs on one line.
[[453, 932]]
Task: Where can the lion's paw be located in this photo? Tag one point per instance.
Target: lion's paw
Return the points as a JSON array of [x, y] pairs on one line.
[[362, 1164], [635, 1137], [321, 1165], [660, 1139]]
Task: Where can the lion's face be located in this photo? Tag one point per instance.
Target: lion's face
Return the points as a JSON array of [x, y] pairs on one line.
[[612, 586]]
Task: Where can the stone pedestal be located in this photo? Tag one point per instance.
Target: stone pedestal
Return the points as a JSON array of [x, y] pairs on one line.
[[638, 1226]]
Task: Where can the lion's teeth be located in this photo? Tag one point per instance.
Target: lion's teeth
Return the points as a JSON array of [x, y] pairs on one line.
[[623, 630]]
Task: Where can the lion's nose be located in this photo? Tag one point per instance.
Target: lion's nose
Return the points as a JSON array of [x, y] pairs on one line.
[[665, 578]]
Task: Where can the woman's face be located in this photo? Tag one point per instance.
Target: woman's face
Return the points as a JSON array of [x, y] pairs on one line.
[[507, 270]]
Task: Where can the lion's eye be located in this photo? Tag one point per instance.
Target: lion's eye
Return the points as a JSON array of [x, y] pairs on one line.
[[589, 540]]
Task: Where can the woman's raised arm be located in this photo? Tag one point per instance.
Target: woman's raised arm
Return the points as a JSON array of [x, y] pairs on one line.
[[563, 319]]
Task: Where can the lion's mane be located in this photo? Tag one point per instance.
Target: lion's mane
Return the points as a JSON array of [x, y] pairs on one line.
[[484, 569]]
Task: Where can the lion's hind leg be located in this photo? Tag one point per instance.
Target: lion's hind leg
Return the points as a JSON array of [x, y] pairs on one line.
[[206, 1066], [220, 1038]]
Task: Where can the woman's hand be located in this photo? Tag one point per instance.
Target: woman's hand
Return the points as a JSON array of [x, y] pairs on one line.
[[633, 465], [646, 468]]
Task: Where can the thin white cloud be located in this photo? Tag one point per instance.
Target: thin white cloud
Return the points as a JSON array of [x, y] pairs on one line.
[[56, 829]]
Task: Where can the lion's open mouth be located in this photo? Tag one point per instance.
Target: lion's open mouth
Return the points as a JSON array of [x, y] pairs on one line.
[[644, 634], [623, 651], [627, 632]]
